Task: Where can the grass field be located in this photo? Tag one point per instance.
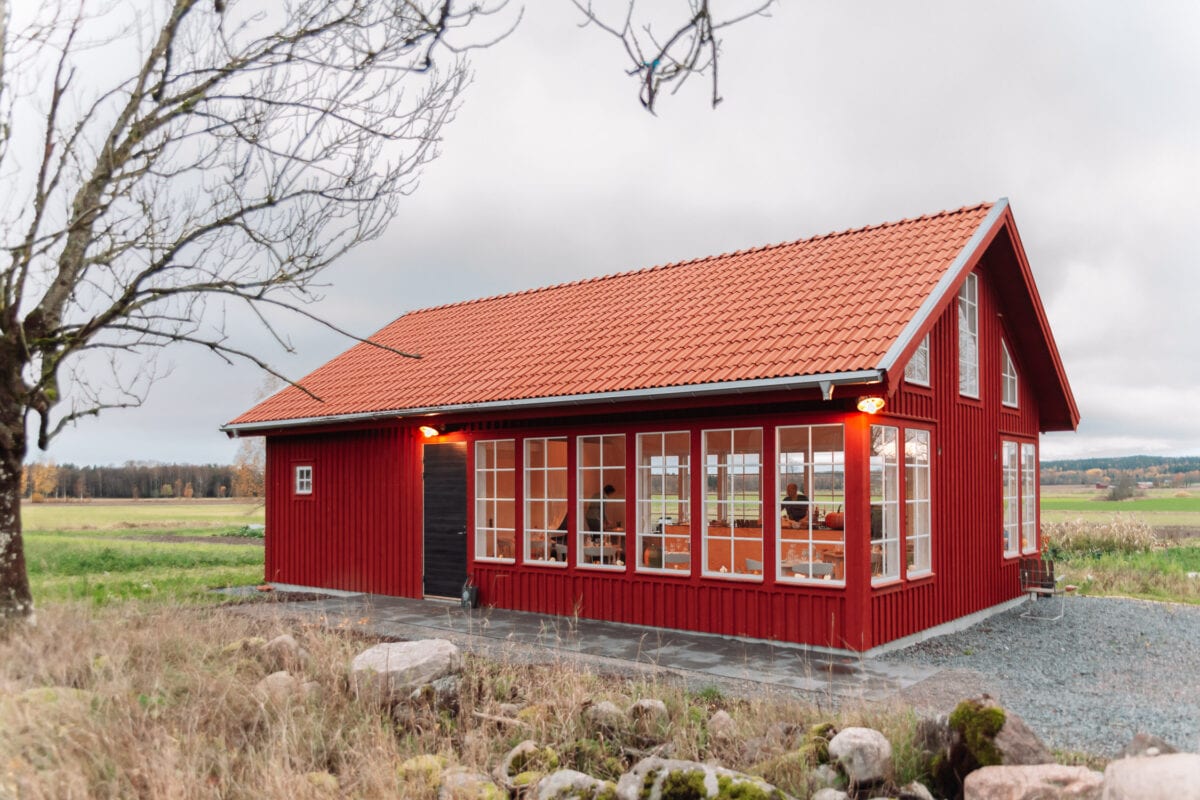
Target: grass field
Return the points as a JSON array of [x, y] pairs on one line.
[[150, 550]]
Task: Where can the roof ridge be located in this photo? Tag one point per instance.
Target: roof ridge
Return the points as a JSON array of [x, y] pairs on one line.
[[692, 261]]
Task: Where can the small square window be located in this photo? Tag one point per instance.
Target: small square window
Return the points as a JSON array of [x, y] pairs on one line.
[[304, 480]]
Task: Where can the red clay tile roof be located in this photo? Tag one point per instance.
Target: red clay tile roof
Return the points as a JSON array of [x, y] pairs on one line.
[[833, 303]]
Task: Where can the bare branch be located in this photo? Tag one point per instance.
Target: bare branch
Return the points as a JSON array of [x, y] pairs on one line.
[[690, 48]]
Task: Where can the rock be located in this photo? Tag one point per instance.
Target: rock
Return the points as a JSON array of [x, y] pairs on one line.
[[440, 695], [865, 755], [311, 691], [524, 765], [1032, 782], [284, 652], [721, 727], [423, 771], [825, 775], [390, 672], [459, 783], [914, 791], [278, 688], [650, 718], [830, 794], [984, 734], [1145, 744], [510, 709], [567, 784], [604, 717], [1174, 776], [252, 645], [662, 778]]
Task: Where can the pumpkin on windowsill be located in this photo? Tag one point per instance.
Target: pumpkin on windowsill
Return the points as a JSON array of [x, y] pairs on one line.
[[835, 520]]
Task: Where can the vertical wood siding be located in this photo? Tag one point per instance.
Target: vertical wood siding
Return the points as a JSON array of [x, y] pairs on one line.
[[360, 529]]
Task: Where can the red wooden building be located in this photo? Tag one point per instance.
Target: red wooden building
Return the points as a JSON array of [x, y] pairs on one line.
[[624, 448]]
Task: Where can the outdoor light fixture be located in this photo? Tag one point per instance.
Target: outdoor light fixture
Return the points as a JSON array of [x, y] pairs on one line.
[[428, 431], [872, 404]]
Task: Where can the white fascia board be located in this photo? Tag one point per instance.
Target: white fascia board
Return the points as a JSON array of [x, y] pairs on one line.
[[856, 378], [948, 279]]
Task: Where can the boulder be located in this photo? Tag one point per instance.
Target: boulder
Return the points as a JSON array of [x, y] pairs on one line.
[[1145, 744], [459, 783], [663, 778], [865, 755], [440, 695], [1032, 782], [423, 771], [392, 671], [284, 652], [914, 791], [567, 784], [525, 765], [604, 717], [983, 734], [1174, 776], [829, 793], [278, 688], [721, 727], [650, 718]]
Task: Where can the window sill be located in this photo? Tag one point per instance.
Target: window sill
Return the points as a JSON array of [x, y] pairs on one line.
[[616, 568], [1030, 552], [533, 562], [885, 583], [678, 573], [1010, 409], [920, 577], [1009, 555], [810, 582], [733, 576], [489, 560]]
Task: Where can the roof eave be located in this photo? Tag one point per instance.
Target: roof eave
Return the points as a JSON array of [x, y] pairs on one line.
[[826, 383]]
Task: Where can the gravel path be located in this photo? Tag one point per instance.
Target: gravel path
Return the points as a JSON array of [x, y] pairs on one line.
[[1108, 669]]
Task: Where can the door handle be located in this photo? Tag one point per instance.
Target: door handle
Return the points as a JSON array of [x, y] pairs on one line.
[[462, 533]]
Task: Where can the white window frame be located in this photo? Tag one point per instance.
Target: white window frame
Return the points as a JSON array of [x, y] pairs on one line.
[[611, 547], [654, 515], [916, 371], [487, 504], [1009, 395], [802, 544], [546, 553], [918, 502], [734, 505], [303, 484], [885, 464], [1029, 498], [1010, 497], [968, 337]]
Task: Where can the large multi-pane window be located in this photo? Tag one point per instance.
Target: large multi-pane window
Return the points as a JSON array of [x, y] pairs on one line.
[[917, 505], [917, 369], [733, 501], [600, 521], [968, 337], [885, 503], [810, 533], [1029, 501], [664, 501], [495, 499], [1009, 468], [1008, 377], [546, 500]]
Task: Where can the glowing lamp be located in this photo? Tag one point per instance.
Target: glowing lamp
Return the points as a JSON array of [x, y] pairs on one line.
[[428, 431], [871, 404]]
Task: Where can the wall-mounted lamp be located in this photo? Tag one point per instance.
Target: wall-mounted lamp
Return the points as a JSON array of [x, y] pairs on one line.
[[872, 404], [428, 431]]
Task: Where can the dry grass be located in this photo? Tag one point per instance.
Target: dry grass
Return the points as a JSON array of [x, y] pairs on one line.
[[1118, 534], [154, 702]]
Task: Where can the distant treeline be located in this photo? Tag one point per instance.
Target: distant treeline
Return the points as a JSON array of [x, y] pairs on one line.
[[1158, 470], [142, 480]]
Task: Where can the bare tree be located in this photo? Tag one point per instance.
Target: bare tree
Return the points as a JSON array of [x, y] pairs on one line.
[[239, 149], [667, 50]]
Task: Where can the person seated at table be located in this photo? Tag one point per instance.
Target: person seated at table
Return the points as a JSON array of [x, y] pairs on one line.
[[795, 507]]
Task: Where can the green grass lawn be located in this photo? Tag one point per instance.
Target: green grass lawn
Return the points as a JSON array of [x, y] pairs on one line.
[[1157, 575], [91, 551]]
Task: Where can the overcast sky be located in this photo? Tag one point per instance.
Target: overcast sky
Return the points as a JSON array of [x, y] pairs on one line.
[[1086, 115]]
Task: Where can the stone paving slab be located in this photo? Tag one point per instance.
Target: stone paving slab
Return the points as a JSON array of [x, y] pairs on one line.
[[696, 657]]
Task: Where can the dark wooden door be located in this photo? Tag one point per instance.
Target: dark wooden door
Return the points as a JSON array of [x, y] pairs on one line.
[[445, 519]]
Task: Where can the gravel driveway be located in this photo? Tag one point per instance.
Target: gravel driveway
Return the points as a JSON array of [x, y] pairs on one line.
[[1108, 669]]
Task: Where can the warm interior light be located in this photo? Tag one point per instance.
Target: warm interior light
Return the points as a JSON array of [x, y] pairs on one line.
[[428, 431], [870, 405]]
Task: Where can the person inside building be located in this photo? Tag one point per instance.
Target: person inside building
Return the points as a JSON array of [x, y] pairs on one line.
[[592, 513], [795, 506]]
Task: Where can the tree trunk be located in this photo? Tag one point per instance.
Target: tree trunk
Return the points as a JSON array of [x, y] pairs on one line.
[[16, 601]]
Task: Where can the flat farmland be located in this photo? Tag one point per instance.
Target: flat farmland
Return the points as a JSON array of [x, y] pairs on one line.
[[171, 551], [1172, 513]]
